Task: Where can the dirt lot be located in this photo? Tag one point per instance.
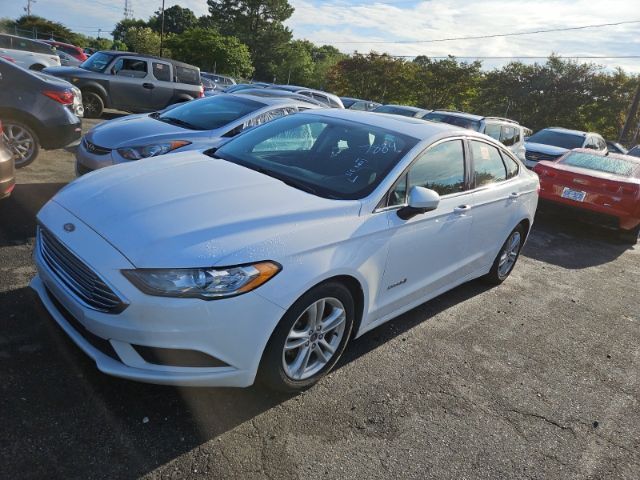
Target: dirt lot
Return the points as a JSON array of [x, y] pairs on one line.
[[537, 378]]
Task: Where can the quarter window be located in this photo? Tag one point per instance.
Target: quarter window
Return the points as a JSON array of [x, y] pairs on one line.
[[509, 135], [487, 164], [162, 71], [511, 164], [441, 168]]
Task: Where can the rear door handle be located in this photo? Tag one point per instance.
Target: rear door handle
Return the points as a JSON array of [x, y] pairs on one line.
[[514, 195], [148, 85], [462, 209]]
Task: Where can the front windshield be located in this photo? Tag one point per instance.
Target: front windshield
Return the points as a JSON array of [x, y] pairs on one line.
[[97, 62], [601, 163], [329, 157], [557, 139], [209, 113]]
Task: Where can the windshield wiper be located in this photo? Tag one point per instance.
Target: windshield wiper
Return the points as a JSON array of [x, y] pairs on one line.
[[177, 121]]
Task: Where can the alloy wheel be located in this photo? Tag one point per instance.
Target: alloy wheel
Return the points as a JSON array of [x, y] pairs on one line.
[[314, 338], [509, 254], [20, 142]]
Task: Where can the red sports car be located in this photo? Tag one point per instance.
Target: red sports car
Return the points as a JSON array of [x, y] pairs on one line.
[[603, 188], [69, 49]]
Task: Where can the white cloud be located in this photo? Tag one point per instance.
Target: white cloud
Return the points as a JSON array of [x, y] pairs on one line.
[[334, 22]]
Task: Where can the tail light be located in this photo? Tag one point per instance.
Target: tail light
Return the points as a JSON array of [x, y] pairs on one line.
[[65, 97], [201, 94]]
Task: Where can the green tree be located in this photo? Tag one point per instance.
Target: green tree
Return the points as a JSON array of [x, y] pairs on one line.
[[257, 23], [120, 30], [295, 64], [324, 59], [212, 51], [143, 40], [446, 83], [176, 20], [378, 77], [39, 27]]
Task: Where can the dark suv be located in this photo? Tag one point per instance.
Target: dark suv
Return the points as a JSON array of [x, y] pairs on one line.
[[131, 81]]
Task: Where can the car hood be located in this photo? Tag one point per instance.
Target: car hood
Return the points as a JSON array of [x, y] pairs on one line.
[[66, 72], [139, 130], [191, 210], [547, 149]]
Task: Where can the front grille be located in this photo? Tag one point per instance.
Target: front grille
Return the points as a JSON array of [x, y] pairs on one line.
[[88, 287], [537, 156], [95, 149]]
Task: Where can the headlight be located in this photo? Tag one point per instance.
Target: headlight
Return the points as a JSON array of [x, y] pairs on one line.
[[136, 153], [205, 283]]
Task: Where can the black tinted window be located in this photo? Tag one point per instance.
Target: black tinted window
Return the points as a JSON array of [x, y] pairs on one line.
[[441, 168], [162, 71], [487, 164], [5, 41], [557, 139], [210, 113], [130, 67], [187, 75]]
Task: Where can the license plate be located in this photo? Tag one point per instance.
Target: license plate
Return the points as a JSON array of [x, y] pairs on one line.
[[575, 195]]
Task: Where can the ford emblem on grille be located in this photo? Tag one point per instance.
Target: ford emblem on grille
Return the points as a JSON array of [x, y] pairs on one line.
[[69, 227]]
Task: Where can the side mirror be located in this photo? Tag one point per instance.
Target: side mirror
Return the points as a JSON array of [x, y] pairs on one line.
[[421, 200]]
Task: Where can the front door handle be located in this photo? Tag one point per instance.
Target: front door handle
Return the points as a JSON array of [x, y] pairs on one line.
[[148, 85], [462, 209]]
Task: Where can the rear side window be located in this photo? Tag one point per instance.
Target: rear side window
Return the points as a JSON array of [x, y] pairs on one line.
[[509, 135], [190, 76], [31, 46], [162, 71], [511, 164], [493, 130], [130, 67], [441, 168], [487, 164]]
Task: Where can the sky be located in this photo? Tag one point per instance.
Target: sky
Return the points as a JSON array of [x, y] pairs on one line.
[[366, 25]]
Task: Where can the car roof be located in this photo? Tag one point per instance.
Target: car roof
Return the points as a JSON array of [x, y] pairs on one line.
[[567, 130], [279, 93], [56, 42], [414, 127], [118, 53]]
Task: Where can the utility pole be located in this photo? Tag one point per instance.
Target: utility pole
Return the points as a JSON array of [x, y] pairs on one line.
[[128, 9], [162, 28], [28, 7], [631, 115]]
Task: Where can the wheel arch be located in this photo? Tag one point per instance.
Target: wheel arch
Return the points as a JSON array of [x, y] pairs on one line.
[[96, 88], [32, 122]]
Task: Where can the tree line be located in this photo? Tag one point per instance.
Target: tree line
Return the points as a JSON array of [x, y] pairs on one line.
[[248, 39]]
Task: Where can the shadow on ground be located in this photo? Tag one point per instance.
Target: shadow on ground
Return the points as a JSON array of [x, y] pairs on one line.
[[18, 212], [56, 404], [566, 242]]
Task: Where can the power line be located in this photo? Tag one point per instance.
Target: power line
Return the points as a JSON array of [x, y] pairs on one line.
[[514, 57], [496, 35]]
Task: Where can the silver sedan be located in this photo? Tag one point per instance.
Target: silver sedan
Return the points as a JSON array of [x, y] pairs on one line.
[[198, 124]]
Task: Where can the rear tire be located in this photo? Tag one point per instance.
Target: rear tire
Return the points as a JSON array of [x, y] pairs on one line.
[[629, 237], [309, 340], [22, 141], [93, 104], [507, 257]]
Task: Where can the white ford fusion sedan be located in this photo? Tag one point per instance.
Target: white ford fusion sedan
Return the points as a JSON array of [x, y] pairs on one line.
[[264, 257]]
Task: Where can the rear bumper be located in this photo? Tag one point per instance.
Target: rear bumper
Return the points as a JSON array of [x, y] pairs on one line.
[[588, 213]]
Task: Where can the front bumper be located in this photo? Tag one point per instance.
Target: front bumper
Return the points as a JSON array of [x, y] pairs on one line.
[[234, 331]]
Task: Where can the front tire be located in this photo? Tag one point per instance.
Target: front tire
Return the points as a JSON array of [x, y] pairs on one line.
[[22, 141], [630, 237], [93, 104], [507, 257], [309, 340]]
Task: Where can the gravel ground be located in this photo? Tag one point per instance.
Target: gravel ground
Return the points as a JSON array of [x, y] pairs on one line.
[[537, 378]]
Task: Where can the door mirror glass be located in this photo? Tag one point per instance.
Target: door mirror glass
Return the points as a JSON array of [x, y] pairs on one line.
[[420, 200]]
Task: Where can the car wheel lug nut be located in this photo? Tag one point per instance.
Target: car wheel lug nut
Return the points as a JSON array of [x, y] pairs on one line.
[[306, 344]]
